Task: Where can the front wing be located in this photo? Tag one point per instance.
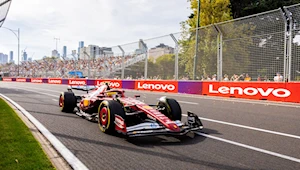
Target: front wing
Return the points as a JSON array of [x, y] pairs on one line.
[[153, 128]]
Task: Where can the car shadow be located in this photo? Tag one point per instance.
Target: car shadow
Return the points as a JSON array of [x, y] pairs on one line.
[[54, 114]]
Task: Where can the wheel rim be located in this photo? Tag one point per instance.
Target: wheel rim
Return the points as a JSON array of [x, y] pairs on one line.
[[103, 117], [166, 112], [61, 101]]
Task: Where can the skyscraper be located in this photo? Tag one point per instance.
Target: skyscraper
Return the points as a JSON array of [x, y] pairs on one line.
[[64, 51], [54, 53], [3, 58], [11, 56], [24, 56], [81, 44]]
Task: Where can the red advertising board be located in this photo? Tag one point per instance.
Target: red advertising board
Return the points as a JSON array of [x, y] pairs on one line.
[[21, 79], [112, 83], [78, 82], [253, 90], [160, 86], [7, 79], [294, 88], [36, 80], [54, 81]]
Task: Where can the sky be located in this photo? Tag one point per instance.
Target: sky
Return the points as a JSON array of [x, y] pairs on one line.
[[100, 22]]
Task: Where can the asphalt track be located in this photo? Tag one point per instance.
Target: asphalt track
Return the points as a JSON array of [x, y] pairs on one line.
[[238, 134]]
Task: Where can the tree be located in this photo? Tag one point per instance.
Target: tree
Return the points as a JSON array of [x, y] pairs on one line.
[[212, 11], [241, 8], [165, 65]]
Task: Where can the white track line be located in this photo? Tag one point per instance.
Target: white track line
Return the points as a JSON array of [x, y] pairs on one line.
[[54, 100], [74, 162], [251, 147], [249, 127], [188, 102]]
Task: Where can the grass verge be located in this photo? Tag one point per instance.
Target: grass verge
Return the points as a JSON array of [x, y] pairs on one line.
[[18, 148]]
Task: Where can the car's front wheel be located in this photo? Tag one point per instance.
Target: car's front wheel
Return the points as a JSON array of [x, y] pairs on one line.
[[67, 101], [170, 108], [109, 113]]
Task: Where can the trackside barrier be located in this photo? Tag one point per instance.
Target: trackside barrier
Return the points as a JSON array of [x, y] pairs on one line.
[[285, 92]]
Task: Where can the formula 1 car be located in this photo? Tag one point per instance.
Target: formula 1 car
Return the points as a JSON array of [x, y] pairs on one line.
[[116, 113]]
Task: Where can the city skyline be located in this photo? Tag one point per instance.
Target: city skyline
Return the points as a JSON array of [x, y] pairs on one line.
[[106, 23]]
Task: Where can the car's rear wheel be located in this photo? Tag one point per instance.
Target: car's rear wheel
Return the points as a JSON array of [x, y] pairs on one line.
[[67, 101], [170, 108], [107, 112]]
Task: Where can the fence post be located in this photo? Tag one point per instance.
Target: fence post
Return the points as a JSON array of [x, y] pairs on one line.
[[219, 53], [55, 67], [289, 44], [176, 55], [48, 67], [285, 53], [85, 53], [123, 61], [145, 50], [73, 54]]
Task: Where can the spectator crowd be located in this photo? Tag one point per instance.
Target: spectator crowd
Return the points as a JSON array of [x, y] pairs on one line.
[[244, 77], [53, 67]]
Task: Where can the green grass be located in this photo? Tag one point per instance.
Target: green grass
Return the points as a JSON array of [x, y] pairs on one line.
[[18, 147]]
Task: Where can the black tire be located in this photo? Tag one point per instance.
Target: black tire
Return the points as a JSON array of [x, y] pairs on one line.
[[67, 102], [107, 123], [172, 108]]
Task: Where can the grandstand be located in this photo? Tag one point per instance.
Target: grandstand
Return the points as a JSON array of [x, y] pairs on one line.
[[101, 67]]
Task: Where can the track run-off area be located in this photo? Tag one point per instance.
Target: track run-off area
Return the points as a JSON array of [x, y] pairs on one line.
[[237, 134]]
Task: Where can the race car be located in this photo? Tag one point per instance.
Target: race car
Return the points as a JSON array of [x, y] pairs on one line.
[[115, 112]]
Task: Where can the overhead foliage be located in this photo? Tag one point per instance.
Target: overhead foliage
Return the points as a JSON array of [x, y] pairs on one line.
[[241, 8], [212, 11]]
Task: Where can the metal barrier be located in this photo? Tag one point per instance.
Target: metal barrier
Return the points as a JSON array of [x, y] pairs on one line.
[[293, 37], [253, 46], [261, 47]]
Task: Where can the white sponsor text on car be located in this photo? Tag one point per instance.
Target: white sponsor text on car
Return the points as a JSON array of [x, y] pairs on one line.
[[111, 84]]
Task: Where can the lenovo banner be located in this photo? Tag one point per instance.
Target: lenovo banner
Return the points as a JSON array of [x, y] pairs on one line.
[[54, 81], [112, 83], [160, 86], [36, 80], [249, 90], [21, 79], [7, 79], [78, 82]]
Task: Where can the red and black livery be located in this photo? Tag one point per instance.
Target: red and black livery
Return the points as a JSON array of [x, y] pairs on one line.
[[115, 112]]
